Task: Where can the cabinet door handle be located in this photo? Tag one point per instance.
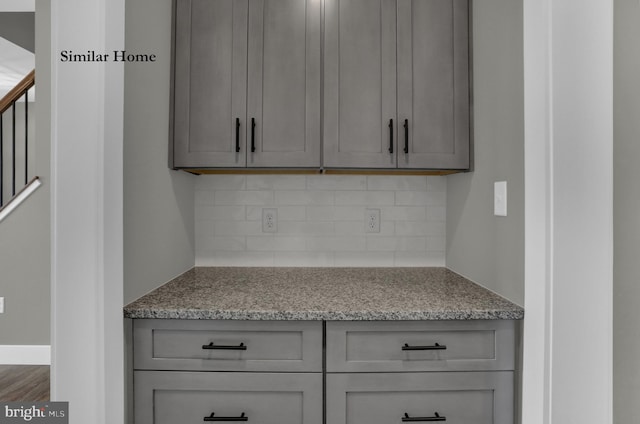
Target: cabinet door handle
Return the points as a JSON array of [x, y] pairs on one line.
[[211, 417], [253, 135], [436, 346], [390, 135], [211, 346], [436, 417], [406, 136], [237, 135]]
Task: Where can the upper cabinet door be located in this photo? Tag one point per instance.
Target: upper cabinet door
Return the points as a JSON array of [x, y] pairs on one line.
[[360, 84], [283, 106], [210, 83], [433, 84]]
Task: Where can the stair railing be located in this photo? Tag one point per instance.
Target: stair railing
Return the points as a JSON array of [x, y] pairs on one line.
[[11, 140]]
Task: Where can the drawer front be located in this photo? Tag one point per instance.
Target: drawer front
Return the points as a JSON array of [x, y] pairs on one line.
[[460, 398], [294, 346], [420, 346], [164, 397]]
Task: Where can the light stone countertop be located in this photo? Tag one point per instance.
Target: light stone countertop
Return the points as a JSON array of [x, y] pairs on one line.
[[357, 294]]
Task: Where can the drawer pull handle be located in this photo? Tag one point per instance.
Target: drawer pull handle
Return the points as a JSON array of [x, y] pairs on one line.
[[437, 417], [211, 346], [211, 417], [436, 346]]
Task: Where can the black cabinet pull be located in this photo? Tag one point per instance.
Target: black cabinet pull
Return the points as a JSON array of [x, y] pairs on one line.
[[211, 346], [390, 135], [409, 419], [237, 135], [406, 136], [253, 135], [436, 346], [211, 417]]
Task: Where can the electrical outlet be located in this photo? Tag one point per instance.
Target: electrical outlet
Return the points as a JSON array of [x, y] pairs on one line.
[[372, 220], [1, 305], [269, 220], [500, 198]]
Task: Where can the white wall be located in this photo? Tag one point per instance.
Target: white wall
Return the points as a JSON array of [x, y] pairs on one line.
[[158, 203], [569, 234], [488, 249], [321, 220], [626, 303]]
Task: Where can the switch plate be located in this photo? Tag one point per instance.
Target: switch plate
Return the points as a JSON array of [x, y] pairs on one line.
[[500, 198], [372, 220], [1, 305], [269, 220]]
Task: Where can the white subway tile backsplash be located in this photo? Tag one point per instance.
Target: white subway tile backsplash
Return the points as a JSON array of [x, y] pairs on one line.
[[320, 220], [225, 258], [436, 244], [437, 183], [387, 228], [221, 182], [404, 213], [229, 243], [408, 228], [319, 259], [275, 182], [419, 259], [364, 259], [366, 198], [275, 243], [220, 213], [303, 197], [236, 228], [306, 228], [335, 213], [400, 244], [353, 243], [336, 182], [436, 213], [203, 197], [396, 182], [285, 213], [248, 197], [420, 198]]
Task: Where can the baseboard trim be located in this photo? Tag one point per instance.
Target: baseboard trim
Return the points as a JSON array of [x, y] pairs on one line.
[[25, 355]]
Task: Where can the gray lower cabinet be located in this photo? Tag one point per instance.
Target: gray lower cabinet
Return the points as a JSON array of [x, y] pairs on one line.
[[310, 372], [396, 84], [247, 83], [169, 397], [392, 346], [213, 345], [454, 397]]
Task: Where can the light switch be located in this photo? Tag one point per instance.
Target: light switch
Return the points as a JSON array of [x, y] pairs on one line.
[[500, 198]]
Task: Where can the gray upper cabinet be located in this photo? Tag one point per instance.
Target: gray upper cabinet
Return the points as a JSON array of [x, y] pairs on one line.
[[210, 88], [284, 83], [247, 83], [359, 83], [397, 84]]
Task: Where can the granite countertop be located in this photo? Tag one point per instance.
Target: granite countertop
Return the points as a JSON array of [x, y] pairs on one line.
[[322, 294]]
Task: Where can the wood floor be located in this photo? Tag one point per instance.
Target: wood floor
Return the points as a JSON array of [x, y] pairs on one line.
[[24, 383]]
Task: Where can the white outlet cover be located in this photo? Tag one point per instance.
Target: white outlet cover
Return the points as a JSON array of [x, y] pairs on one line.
[[1, 305], [269, 220], [500, 198], [372, 221]]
